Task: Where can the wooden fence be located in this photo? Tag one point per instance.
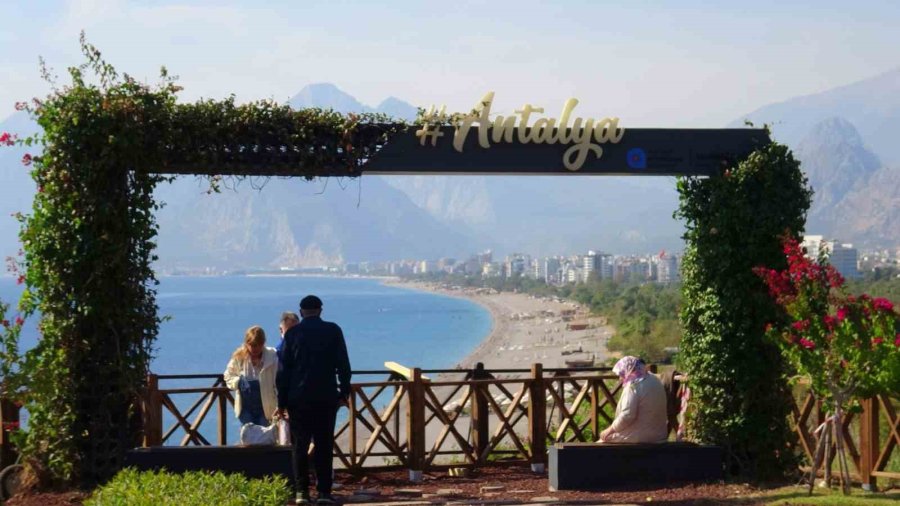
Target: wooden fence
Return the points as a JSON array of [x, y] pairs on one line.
[[470, 417]]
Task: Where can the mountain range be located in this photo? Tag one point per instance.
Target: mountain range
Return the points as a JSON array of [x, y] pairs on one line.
[[842, 136]]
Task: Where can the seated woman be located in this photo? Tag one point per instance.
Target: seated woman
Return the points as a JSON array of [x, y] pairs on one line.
[[251, 373], [641, 412]]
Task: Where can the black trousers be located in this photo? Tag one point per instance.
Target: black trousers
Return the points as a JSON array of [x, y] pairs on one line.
[[313, 422]]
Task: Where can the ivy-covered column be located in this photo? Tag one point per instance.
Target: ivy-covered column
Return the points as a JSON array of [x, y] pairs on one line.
[[740, 396], [88, 247]]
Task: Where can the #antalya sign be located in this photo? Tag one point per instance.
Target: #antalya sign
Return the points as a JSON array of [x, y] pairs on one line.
[[584, 137]]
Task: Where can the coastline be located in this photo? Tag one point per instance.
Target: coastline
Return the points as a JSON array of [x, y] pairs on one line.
[[527, 329]]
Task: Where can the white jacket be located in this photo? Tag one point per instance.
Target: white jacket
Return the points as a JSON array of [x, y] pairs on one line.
[[266, 382]]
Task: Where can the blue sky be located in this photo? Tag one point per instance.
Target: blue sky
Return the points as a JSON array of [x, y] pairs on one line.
[[686, 63]]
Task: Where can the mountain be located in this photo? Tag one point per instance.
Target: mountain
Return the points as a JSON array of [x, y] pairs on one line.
[[294, 223], [857, 198], [329, 96], [873, 105]]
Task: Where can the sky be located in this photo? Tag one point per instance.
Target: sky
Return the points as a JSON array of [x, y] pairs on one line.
[[677, 63]]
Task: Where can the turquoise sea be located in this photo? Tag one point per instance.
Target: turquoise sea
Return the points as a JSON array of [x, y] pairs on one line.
[[208, 317]]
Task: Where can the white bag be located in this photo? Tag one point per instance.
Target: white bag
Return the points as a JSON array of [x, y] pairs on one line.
[[284, 432], [257, 435]]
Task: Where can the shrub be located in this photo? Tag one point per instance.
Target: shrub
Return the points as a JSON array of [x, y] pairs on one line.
[[160, 488]]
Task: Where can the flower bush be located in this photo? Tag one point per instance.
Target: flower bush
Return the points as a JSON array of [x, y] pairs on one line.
[[848, 346]]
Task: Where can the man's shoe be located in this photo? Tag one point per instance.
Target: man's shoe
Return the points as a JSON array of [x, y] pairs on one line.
[[325, 499], [302, 498]]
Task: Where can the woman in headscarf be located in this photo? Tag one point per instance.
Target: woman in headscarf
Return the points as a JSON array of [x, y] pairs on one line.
[[641, 411]]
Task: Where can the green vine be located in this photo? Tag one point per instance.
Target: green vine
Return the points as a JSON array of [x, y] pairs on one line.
[[89, 243], [738, 377]]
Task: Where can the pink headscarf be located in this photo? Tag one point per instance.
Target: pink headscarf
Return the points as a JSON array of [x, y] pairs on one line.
[[630, 369]]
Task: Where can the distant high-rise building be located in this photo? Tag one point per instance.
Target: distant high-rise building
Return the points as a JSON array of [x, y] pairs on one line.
[[843, 257], [551, 271], [596, 262], [813, 245], [667, 268]]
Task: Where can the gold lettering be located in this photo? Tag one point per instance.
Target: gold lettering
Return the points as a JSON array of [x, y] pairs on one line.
[[583, 136], [562, 136], [503, 129]]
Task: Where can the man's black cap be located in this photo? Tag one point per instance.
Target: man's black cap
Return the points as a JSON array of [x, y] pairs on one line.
[[311, 302]]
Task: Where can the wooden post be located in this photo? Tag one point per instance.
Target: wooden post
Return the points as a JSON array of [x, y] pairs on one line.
[[595, 409], [415, 426], [537, 419], [152, 413], [480, 411], [561, 391], [351, 408], [9, 422], [223, 417], [868, 443]]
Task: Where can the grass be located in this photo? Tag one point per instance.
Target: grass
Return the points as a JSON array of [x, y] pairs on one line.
[[797, 496]]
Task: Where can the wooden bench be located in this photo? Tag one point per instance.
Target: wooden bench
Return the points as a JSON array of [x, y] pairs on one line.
[[594, 466]]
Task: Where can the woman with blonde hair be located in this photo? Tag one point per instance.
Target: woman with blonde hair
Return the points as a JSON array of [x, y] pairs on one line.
[[251, 374]]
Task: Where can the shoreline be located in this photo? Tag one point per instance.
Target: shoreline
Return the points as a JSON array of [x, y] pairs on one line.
[[527, 329]]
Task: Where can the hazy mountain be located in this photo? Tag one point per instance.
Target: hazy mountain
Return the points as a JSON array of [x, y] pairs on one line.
[[294, 223], [856, 198], [873, 105], [329, 96]]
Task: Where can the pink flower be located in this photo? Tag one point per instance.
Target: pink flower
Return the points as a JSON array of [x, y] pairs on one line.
[[21, 106], [6, 139], [26, 160], [20, 280], [842, 314], [19, 321], [897, 341], [5, 323], [800, 325], [829, 321], [883, 304], [806, 343]]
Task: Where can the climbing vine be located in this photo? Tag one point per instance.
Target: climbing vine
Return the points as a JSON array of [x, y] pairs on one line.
[[734, 223], [88, 242]]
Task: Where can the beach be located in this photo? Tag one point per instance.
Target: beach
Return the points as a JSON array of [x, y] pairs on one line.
[[527, 329]]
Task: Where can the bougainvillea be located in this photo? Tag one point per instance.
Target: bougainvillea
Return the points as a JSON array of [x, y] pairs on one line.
[[847, 346]]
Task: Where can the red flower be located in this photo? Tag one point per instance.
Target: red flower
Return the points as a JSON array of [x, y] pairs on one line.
[[800, 325], [26, 160], [829, 321], [6, 139], [20, 280], [883, 304], [806, 343], [5, 323], [10, 426], [897, 341], [842, 313], [19, 321], [876, 341]]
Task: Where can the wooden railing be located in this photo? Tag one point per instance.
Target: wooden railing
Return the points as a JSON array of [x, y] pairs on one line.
[[870, 445], [421, 419]]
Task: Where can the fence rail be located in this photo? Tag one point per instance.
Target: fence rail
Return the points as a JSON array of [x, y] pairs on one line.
[[470, 417]]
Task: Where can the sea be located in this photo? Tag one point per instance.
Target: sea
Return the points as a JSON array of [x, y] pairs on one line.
[[206, 318]]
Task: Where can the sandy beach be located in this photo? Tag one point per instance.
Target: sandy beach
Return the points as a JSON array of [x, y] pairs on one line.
[[527, 329]]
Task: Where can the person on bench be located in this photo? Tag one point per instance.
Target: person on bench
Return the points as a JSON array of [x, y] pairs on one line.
[[641, 411]]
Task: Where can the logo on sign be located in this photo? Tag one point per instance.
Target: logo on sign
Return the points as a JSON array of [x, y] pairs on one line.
[[636, 158]]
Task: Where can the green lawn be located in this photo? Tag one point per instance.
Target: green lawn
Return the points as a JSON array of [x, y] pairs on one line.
[[796, 496]]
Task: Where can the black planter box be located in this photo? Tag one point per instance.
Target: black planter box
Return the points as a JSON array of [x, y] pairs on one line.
[[594, 466]]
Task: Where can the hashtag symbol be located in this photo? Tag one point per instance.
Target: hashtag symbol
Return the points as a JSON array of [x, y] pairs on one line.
[[431, 125]]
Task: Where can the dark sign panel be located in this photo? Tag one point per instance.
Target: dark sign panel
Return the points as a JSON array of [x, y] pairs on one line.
[[639, 151]]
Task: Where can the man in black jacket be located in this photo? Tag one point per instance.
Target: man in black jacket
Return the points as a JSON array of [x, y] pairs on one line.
[[313, 382]]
